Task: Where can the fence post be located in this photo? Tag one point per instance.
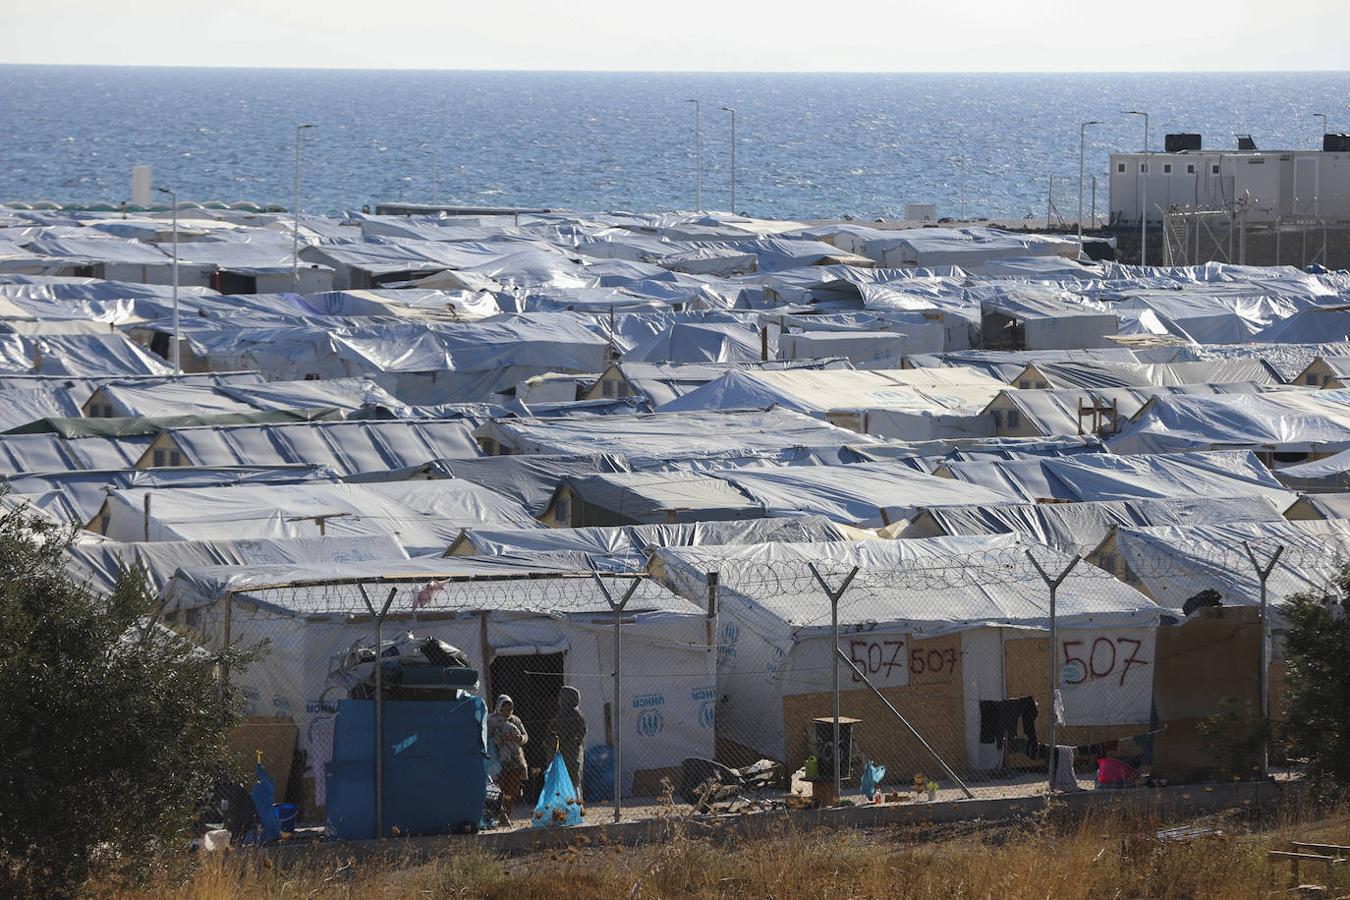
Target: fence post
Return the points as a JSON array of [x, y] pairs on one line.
[[1053, 584], [1263, 575], [228, 599], [379, 702], [834, 664], [617, 608], [712, 610]]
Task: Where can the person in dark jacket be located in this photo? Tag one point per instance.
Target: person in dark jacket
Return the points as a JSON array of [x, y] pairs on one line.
[[569, 730]]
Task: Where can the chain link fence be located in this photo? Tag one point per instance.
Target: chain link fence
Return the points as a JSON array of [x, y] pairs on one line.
[[955, 668]]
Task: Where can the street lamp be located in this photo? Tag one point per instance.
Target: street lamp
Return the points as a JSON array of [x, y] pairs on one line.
[[733, 157], [435, 171], [698, 157], [1323, 117], [295, 233], [173, 198], [1143, 193], [1082, 144]]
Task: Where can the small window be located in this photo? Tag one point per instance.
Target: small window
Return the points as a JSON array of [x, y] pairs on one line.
[[158, 458], [1014, 418], [1120, 167], [1190, 168], [175, 458], [562, 511], [1256, 162], [1167, 168], [1143, 167], [1314, 379], [1214, 169], [1024, 385]]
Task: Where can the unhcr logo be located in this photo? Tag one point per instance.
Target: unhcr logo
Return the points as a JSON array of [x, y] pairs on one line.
[[650, 723], [646, 701]]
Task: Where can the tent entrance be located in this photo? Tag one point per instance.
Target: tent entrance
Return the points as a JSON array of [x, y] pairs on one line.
[[533, 681]]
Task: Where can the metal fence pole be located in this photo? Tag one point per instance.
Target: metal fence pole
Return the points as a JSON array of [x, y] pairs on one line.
[[228, 601], [1053, 584], [617, 608], [379, 702], [1263, 575], [834, 665]]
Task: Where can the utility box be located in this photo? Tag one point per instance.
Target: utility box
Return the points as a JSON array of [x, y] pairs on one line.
[[142, 185], [920, 212], [1176, 143]]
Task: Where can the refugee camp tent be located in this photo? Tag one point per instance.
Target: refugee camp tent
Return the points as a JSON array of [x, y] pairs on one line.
[[625, 548], [527, 628], [1288, 425], [948, 633], [1078, 528], [1104, 476], [425, 516], [654, 439]]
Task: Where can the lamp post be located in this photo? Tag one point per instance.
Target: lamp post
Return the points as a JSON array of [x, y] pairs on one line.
[[174, 351], [733, 157], [1082, 146], [295, 232], [698, 157], [1323, 117], [435, 171], [1143, 193]]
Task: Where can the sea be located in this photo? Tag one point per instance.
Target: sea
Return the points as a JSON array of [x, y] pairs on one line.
[[806, 145]]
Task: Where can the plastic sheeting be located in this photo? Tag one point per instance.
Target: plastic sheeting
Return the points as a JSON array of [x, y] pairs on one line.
[[1287, 421], [652, 439], [425, 516]]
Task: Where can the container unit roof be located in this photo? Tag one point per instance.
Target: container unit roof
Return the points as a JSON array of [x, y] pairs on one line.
[[1103, 476], [940, 391], [101, 561], [81, 355], [349, 448], [654, 438], [344, 394], [867, 495], [424, 516], [625, 547], [1079, 527], [1112, 374], [1284, 421], [914, 585], [1174, 563]]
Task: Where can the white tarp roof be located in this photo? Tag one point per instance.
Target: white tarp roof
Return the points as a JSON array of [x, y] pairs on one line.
[[935, 598], [1289, 421], [424, 516]]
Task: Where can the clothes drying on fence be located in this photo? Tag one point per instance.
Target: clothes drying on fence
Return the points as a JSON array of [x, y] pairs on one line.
[[999, 720]]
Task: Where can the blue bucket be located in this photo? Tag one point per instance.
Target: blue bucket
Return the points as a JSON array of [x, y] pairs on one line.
[[286, 813]]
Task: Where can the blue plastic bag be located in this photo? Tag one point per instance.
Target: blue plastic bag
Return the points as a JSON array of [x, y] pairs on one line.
[[871, 778], [558, 801]]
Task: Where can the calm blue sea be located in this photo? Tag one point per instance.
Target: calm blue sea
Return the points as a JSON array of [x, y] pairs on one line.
[[807, 145]]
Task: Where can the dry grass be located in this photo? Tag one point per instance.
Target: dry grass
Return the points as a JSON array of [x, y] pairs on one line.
[[1099, 857]]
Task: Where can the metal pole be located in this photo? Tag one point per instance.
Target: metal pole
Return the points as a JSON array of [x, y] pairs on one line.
[[1049, 201], [733, 157], [177, 350], [1263, 574], [174, 350], [1093, 216], [1053, 584], [617, 609], [379, 702], [698, 157], [834, 596], [1082, 148], [963, 189], [903, 721], [225, 645], [1143, 192], [295, 232]]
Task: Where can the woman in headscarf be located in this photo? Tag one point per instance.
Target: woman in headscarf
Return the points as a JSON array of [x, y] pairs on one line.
[[507, 738], [569, 730]]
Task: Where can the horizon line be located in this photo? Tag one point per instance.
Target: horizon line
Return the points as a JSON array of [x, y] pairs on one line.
[[570, 71]]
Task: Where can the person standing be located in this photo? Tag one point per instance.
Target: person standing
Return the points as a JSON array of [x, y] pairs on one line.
[[569, 731], [507, 737]]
